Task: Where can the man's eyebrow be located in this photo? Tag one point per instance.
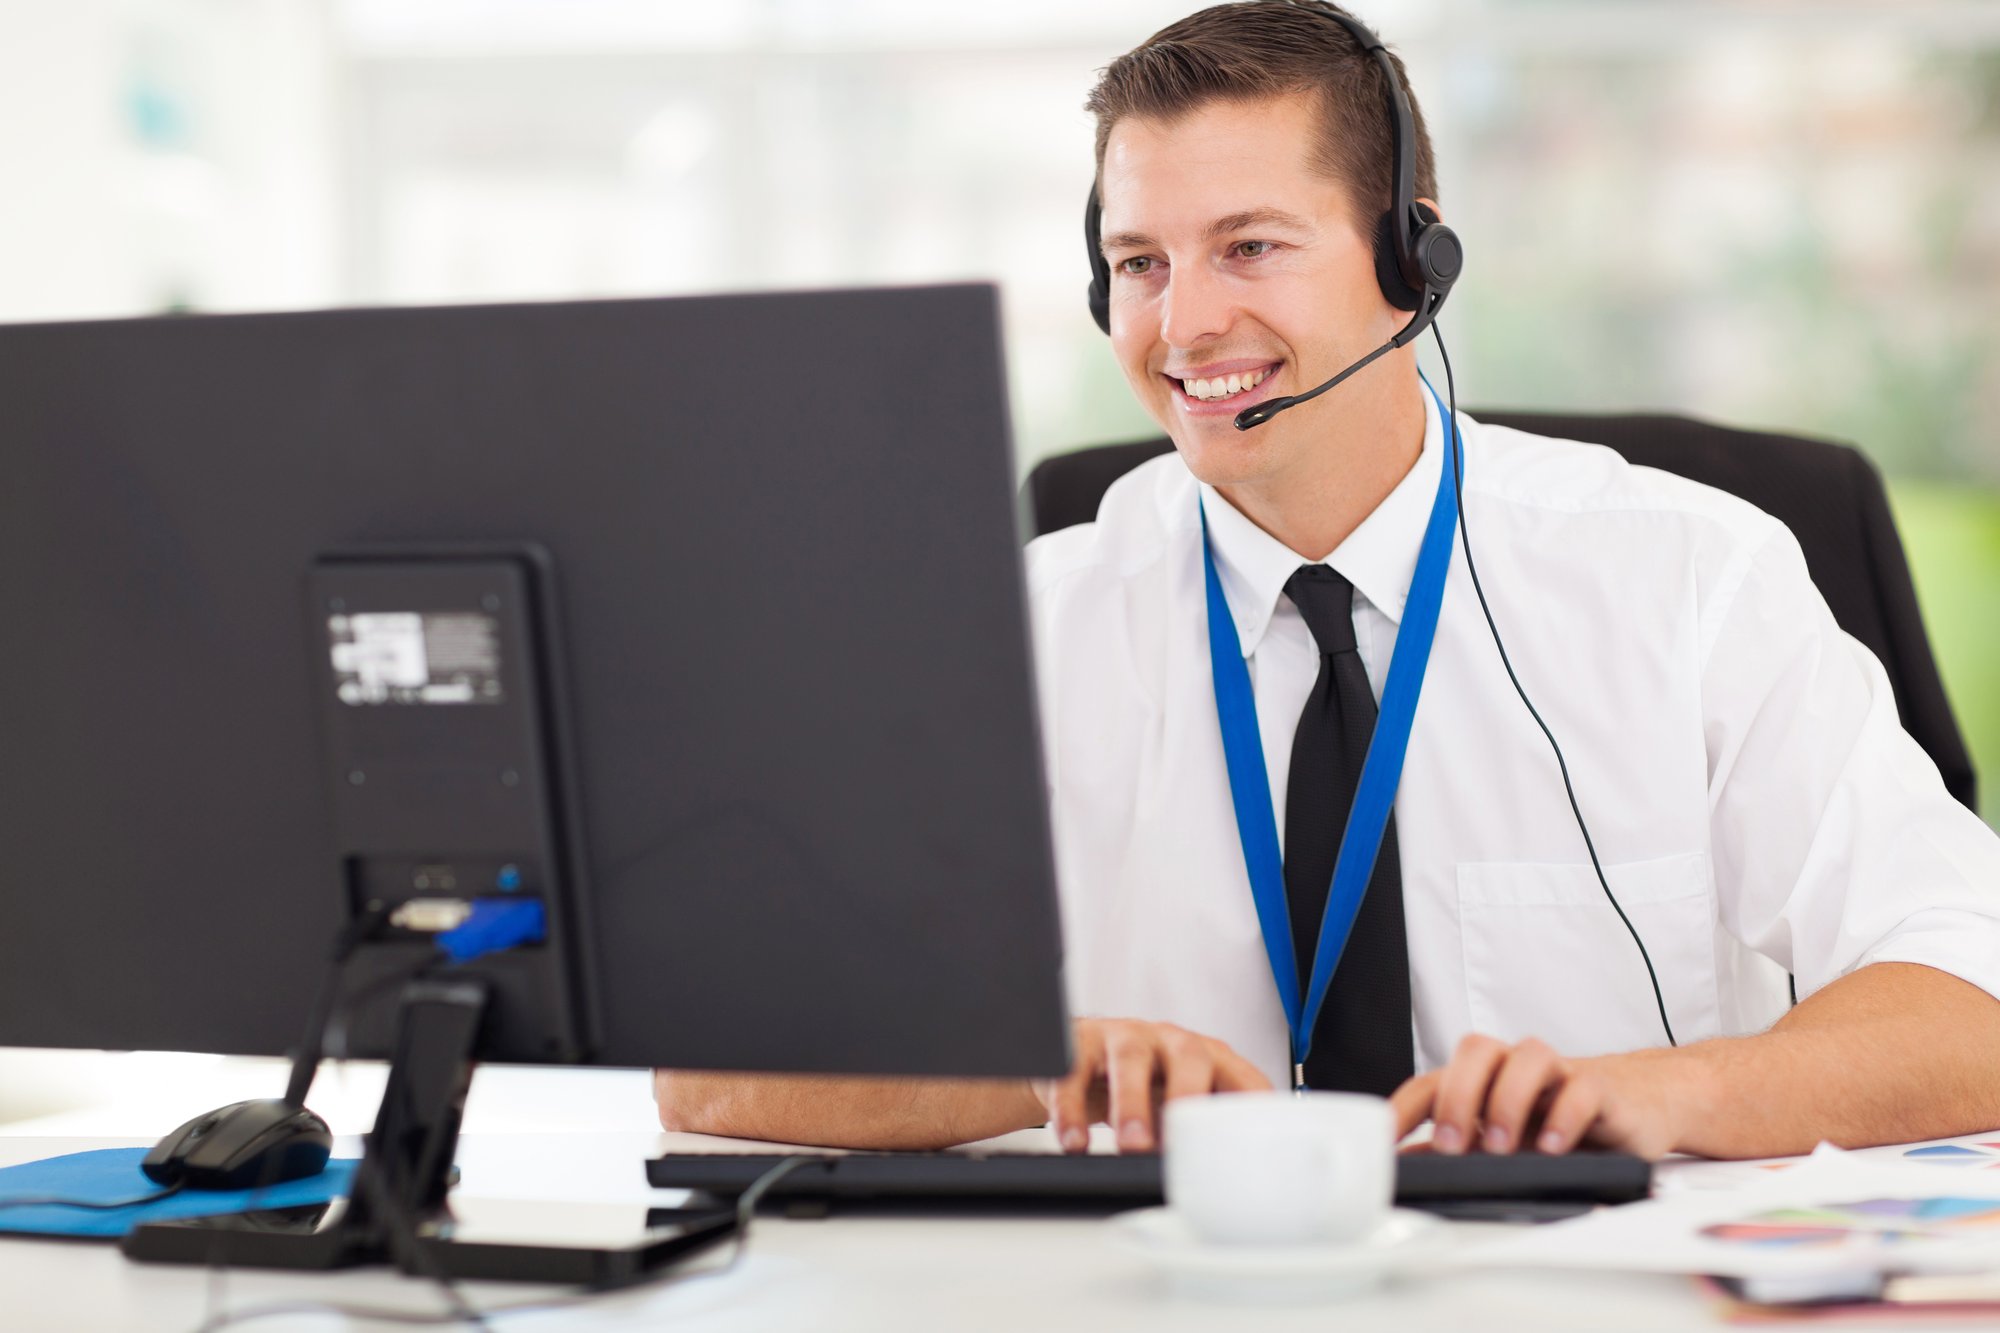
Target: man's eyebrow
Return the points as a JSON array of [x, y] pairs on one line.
[[1126, 240], [1222, 226], [1256, 217]]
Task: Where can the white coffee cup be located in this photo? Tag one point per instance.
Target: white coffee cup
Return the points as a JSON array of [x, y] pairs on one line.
[[1280, 1168]]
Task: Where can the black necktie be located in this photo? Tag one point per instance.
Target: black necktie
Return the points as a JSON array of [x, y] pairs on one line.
[[1362, 1041]]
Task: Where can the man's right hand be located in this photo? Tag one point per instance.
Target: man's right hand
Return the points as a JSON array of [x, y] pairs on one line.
[[1125, 1069]]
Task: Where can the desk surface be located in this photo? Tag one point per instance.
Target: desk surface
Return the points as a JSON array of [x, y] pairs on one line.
[[880, 1275]]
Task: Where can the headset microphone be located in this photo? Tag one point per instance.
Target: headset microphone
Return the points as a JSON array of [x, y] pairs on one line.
[[1265, 411]]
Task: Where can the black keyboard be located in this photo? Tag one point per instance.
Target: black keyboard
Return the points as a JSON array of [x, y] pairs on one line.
[[1476, 1185]]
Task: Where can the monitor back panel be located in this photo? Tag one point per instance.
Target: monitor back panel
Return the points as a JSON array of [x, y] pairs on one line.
[[784, 538]]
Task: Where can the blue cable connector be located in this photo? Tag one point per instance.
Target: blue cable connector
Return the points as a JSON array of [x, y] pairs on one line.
[[496, 924]]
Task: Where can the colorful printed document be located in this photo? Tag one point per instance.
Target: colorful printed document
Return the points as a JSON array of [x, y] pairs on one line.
[[1957, 1154], [1895, 1221], [1832, 1212]]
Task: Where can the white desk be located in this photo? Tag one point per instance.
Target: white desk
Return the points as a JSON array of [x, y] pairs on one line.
[[870, 1275]]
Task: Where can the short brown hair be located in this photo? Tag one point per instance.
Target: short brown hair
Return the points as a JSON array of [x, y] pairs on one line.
[[1272, 48]]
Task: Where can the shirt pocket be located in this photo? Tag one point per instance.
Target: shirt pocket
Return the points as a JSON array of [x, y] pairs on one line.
[[1546, 956]]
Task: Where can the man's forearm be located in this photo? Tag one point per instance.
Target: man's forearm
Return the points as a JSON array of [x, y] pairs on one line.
[[845, 1112], [1889, 1054]]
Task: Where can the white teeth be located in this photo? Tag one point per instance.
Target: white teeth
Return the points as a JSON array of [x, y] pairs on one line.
[[1223, 386]]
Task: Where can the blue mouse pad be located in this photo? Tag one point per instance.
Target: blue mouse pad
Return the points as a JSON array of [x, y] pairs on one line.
[[106, 1175]]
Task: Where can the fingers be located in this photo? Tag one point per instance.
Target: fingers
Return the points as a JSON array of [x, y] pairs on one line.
[[1570, 1116], [1413, 1101], [1068, 1098], [1462, 1091], [1189, 1067], [1126, 1068], [1529, 1070], [1526, 1097], [1132, 1054]]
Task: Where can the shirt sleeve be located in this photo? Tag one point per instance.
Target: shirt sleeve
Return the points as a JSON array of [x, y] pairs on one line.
[[1835, 842]]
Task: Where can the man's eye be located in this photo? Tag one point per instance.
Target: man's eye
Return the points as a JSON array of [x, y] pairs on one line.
[[1136, 265], [1251, 249]]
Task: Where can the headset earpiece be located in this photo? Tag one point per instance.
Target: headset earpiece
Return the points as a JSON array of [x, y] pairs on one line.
[[1436, 258], [1435, 249], [1389, 269], [1100, 272]]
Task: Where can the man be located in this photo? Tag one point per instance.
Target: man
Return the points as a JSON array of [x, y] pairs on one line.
[[1753, 801]]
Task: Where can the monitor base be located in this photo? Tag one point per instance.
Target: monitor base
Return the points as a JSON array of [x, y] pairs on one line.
[[665, 1237], [399, 1212]]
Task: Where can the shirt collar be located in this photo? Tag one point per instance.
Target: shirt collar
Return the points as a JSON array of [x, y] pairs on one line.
[[1379, 557]]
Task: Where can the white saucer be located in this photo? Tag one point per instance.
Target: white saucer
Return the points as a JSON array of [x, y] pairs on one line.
[[1273, 1274]]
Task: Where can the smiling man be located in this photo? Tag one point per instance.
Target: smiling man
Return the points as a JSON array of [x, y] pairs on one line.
[[1249, 615]]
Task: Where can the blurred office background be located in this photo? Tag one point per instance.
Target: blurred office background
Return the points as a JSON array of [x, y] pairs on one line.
[[1778, 213]]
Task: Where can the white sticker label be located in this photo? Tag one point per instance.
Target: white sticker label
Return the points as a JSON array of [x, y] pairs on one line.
[[408, 657]]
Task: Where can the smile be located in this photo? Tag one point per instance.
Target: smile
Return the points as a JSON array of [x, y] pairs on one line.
[[1221, 386]]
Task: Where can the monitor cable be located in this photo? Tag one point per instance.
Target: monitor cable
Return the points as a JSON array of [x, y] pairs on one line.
[[305, 1064]]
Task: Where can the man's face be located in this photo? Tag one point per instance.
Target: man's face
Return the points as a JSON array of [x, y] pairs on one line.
[[1237, 275]]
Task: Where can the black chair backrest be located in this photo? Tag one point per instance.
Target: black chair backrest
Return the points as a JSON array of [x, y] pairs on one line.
[[1829, 495]]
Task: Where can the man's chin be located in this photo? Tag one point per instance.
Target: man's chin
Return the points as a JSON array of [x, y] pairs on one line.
[[1226, 457]]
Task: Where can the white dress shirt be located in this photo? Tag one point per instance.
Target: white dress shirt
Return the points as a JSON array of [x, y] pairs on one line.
[[1756, 804]]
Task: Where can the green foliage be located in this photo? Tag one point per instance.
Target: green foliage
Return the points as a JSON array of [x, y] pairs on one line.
[[1952, 536]]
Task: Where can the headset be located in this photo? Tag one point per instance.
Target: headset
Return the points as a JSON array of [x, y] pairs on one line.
[[1417, 260], [1417, 257]]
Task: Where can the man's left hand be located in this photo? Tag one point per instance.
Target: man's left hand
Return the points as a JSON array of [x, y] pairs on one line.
[[1507, 1098]]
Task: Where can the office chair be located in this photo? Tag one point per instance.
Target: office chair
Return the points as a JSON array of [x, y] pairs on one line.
[[1829, 495]]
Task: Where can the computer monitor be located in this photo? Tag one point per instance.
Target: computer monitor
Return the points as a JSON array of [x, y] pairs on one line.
[[697, 623]]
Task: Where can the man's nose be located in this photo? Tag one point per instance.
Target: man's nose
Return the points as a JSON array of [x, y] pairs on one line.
[[1196, 306]]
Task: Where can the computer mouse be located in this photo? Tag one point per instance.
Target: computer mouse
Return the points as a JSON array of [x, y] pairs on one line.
[[242, 1146]]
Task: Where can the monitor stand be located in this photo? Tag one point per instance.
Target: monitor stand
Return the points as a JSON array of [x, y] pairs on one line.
[[400, 1212]]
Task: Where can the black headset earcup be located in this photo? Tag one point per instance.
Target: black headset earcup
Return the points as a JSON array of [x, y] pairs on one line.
[[1439, 256], [1100, 272], [1389, 273]]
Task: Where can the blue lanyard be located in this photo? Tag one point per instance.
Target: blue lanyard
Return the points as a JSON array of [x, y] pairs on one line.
[[1381, 771]]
